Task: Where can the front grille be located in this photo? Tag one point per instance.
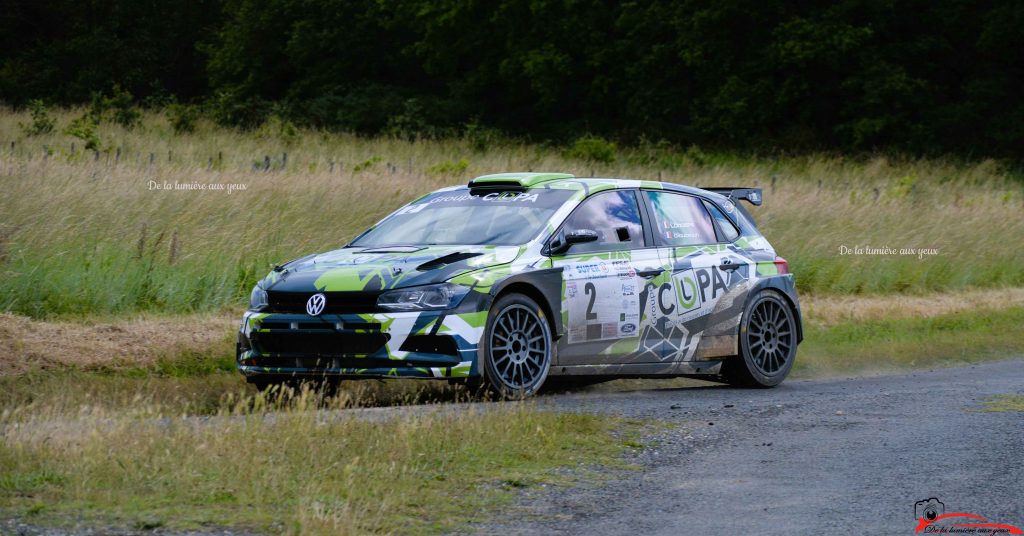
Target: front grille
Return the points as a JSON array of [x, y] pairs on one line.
[[313, 344], [337, 302]]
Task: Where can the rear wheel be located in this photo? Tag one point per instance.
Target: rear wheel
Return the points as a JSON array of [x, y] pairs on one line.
[[516, 348], [767, 343]]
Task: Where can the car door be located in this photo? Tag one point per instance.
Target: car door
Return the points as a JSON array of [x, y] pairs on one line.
[[709, 276], [601, 302]]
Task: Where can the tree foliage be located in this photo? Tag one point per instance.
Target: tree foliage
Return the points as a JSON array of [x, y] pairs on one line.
[[919, 76]]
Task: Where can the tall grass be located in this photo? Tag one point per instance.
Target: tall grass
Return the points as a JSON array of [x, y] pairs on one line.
[[83, 233]]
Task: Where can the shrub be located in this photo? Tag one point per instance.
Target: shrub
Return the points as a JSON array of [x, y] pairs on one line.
[[41, 123], [123, 105], [480, 137], [367, 164], [593, 149], [84, 128], [227, 109], [183, 117], [449, 167]]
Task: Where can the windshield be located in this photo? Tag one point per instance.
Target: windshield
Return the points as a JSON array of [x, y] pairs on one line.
[[468, 217]]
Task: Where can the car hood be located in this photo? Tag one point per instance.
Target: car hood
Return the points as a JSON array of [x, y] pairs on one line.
[[369, 269]]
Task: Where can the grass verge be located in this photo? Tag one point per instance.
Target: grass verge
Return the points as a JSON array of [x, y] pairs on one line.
[[297, 471], [899, 343], [1001, 403]]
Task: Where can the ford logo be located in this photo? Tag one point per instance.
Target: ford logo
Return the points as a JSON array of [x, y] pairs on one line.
[[628, 328], [316, 304]]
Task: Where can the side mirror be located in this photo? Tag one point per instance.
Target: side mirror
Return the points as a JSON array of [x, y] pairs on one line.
[[580, 236], [562, 241]]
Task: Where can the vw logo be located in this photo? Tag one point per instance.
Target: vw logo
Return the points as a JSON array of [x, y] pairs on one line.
[[316, 304]]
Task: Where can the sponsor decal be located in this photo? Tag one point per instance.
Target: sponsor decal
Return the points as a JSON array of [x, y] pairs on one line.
[[628, 289], [494, 197], [686, 291], [695, 288], [315, 304], [932, 518], [510, 196], [628, 328], [585, 269]]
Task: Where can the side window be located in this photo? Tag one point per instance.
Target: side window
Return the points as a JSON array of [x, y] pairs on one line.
[[680, 220], [616, 218], [729, 231]]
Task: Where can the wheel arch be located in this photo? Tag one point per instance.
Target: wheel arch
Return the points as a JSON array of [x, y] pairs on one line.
[[783, 284], [543, 287]]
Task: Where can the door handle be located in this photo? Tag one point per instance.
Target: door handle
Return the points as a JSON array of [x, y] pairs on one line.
[[730, 266], [648, 273]]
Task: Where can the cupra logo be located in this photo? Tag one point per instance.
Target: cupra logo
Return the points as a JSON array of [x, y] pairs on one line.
[[316, 304]]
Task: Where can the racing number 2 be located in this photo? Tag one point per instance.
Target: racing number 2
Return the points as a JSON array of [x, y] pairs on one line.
[[590, 290]]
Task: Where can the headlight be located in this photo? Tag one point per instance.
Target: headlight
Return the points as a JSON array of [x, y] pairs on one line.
[[426, 298], [258, 299]]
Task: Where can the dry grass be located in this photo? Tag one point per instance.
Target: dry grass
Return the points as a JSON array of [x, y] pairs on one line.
[[81, 235], [834, 310], [31, 345]]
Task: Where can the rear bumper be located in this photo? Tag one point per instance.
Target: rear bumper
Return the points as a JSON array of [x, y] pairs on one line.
[[432, 344]]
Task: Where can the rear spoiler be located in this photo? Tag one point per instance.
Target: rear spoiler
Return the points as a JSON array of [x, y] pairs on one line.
[[751, 195]]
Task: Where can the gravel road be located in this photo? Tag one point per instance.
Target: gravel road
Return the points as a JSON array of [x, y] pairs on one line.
[[808, 457]]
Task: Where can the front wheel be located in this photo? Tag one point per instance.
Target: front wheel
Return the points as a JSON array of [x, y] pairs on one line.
[[516, 348], [767, 343]]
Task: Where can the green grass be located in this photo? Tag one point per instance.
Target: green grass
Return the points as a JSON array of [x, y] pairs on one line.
[[83, 235], [1001, 403], [299, 471], [891, 344]]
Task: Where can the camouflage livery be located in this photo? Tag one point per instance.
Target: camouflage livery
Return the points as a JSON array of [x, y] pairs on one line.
[[654, 310]]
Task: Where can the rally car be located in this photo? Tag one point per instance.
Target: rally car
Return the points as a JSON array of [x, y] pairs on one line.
[[516, 278]]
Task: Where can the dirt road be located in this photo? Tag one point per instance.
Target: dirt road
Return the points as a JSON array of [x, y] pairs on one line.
[[810, 457]]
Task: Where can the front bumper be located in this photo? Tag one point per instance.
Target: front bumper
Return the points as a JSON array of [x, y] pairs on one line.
[[432, 344]]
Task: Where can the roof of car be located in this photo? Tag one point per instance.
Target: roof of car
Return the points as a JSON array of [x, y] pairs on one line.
[[533, 180]]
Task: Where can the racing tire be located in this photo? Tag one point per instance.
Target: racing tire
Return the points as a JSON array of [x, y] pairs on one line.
[[767, 343], [516, 349]]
